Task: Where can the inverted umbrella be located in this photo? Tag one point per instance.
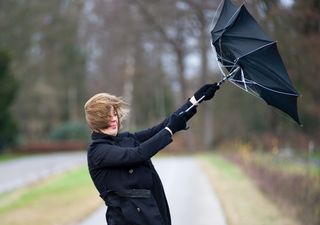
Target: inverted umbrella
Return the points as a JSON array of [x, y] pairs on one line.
[[249, 58]]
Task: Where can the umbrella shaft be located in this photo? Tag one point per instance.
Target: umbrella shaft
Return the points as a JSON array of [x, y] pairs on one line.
[[193, 105], [229, 75]]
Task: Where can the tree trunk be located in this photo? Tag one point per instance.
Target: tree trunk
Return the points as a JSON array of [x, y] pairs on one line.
[[128, 86], [207, 132], [181, 70]]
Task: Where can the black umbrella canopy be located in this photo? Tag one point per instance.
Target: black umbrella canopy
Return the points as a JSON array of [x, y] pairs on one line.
[[227, 11], [252, 59]]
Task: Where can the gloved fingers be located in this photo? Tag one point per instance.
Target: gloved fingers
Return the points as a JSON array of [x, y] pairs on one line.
[[185, 116], [188, 114], [177, 122], [215, 86], [211, 91], [199, 93], [206, 92]]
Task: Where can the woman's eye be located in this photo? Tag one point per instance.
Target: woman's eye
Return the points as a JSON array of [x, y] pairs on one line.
[[113, 114]]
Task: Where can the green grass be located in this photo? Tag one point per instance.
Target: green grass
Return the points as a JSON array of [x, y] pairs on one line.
[[60, 185], [8, 156], [226, 167], [60, 199], [293, 165], [291, 181], [242, 201]]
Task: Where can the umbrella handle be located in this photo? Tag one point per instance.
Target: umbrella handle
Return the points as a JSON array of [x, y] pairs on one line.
[[193, 105]]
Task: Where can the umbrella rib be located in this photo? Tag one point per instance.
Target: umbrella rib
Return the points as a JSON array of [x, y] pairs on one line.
[[269, 89], [221, 70], [228, 23], [226, 60], [215, 14], [266, 45], [226, 66], [227, 77], [236, 49], [218, 56], [222, 59], [250, 92], [243, 80], [249, 38]]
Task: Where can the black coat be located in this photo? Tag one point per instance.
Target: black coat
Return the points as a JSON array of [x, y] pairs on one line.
[[125, 177]]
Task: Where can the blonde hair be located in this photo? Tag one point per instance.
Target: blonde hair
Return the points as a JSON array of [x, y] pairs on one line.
[[98, 110]]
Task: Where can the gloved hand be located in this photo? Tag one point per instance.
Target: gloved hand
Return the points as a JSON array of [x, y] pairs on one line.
[[188, 115], [207, 90], [177, 122]]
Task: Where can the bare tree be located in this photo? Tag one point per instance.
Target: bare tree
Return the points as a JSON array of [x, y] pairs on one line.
[[47, 61]]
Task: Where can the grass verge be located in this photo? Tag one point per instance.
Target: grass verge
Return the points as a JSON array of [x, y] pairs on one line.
[[292, 184], [241, 200], [9, 156], [62, 199]]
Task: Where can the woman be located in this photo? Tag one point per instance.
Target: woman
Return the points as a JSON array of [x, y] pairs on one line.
[[120, 165]]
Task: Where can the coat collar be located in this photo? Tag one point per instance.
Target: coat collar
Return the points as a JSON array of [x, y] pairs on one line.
[[96, 135], [118, 137]]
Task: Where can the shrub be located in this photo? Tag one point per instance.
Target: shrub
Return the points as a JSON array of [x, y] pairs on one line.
[[8, 88], [72, 130], [296, 193]]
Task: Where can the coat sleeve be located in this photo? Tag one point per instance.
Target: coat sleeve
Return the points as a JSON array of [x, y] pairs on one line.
[[144, 135], [107, 155]]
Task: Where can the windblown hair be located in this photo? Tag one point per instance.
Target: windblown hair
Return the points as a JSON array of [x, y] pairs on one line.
[[98, 110]]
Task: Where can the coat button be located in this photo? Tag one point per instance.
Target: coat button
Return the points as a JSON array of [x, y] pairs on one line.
[[139, 210], [131, 171]]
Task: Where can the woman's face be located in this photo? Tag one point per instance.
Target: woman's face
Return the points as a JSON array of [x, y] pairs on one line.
[[112, 127]]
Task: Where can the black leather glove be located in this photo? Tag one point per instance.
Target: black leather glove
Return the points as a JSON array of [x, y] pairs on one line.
[[207, 90], [188, 115], [177, 122]]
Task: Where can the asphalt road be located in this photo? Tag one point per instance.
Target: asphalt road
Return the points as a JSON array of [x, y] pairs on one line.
[[191, 199], [23, 171]]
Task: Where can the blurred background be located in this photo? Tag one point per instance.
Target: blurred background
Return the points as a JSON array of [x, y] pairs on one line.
[[54, 55], [57, 54]]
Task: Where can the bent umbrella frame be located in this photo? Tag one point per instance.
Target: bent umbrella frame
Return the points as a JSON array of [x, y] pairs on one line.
[[249, 58]]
